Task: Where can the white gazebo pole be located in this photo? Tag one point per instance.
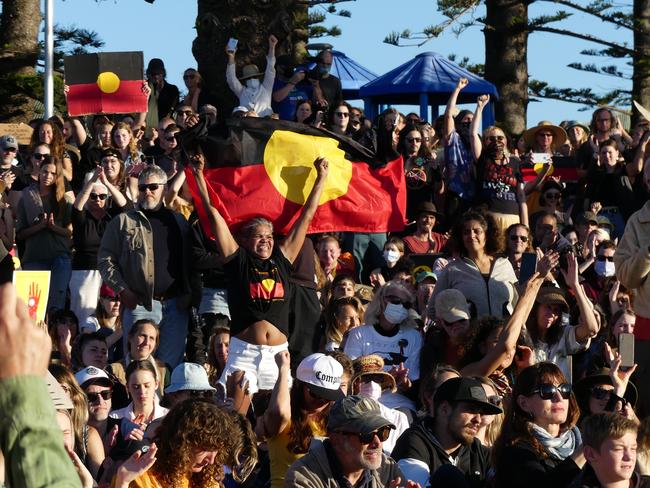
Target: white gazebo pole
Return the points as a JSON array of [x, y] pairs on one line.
[[49, 56]]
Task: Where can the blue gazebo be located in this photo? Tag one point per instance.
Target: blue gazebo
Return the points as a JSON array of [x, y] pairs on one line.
[[352, 75], [426, 80]]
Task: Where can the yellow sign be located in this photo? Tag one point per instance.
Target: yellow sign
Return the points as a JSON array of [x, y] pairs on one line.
[[33, 287], [289, 162]]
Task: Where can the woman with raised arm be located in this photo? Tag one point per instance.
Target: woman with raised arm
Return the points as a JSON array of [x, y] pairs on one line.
[[259, 286]]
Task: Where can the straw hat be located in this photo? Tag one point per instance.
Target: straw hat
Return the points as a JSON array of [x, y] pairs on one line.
[[372, 364], [559, 134]]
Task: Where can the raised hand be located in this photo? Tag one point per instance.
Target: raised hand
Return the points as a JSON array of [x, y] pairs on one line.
[[571, 274], [283, 359], [135, 466], [462, 83], [482, 101], [322, 168]]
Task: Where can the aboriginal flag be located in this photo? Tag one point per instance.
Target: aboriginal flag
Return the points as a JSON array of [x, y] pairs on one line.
[[105, 83], [264, 168]]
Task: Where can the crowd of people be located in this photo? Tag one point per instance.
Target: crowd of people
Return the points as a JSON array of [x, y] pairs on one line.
[[502, 339]]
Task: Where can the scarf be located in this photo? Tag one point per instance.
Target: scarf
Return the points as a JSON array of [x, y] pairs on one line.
[[560, 447]]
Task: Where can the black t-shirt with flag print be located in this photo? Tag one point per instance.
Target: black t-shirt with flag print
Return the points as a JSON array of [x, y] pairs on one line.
[[259, 289]]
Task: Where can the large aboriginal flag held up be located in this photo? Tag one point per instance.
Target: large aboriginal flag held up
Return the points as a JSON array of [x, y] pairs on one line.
[[266, 168], [105, 83]]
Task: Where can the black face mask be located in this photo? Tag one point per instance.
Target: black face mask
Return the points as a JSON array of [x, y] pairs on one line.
[[495, 150]]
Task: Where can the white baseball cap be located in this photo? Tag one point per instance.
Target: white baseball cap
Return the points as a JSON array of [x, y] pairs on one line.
[[323, 376], [92, 374]]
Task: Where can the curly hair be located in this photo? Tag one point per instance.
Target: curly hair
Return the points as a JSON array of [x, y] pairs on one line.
[[493, 238], [57, 145], [516, 425], [196, 425]]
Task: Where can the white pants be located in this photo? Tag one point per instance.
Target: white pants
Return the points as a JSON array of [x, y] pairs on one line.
[[257, 362], [84, 292]]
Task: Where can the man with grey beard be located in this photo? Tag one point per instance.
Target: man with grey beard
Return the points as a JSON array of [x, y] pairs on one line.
[[144, 256], [352, 456]]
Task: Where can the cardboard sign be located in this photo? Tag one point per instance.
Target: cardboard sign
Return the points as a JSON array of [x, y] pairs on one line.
[[33, 287], [22, 132], [105, 83]]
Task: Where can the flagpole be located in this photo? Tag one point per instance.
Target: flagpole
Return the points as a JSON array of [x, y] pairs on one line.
[[49, 50]]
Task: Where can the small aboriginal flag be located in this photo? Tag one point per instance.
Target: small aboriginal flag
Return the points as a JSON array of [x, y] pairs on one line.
[[105, 83], [266, 168]]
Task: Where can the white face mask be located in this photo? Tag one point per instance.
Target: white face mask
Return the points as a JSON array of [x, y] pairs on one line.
[[253, 83], [395, 313], [391, 256], [605, 269], [370, 390]]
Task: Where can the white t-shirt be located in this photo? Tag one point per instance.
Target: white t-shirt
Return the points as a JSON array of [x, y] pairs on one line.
[[403, 347], [559, 352]]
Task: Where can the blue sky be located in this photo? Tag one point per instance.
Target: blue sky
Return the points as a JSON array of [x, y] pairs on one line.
[[165, 29]]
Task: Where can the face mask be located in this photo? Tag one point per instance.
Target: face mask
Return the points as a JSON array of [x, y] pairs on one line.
[[605, 269], [253, 83], [370, 390], [324, 70], [391, 256], [395, 313]]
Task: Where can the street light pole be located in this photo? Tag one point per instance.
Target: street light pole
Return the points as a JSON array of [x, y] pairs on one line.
[[49, 56]]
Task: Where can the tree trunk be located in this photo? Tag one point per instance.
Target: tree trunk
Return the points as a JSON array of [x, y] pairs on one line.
[[506, 60], [250, 22], [19, 27], [641, 57]]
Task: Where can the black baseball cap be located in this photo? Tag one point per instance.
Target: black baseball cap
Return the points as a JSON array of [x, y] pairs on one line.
[[465, 390]]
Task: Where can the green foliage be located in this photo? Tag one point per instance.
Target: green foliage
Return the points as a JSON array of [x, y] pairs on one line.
[[610, 70], [476, 68], [69, 41], [583, 96], [317, 17], [16, 87]]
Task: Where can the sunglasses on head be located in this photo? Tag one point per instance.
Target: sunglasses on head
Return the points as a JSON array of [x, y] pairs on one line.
[[399, 301], [547, 391], [149, 186], [381, 433], [94, 397], [515, 238], [98, 196]]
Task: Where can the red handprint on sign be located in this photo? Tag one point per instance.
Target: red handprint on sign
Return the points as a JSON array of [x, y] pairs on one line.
[[33, 299]]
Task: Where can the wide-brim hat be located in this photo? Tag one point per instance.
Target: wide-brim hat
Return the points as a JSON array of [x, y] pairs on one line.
[[373, 364], [250, 71], [559, 134], [601, 377], [551, 295]]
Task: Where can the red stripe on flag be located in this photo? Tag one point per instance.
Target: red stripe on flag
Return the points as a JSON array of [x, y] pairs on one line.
[[375, 200], [84, 99]]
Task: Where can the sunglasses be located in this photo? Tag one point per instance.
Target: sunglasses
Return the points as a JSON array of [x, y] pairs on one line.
[[496, 138], [342, 114], [547, 391], [94, 397], [98, 196], [519, 238], [149, 186], [367, 438], [413, 139], [465, 124], [605, 258], [399, 301], [39, 156]]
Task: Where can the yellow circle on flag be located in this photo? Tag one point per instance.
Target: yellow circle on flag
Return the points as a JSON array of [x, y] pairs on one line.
[[289, 162], [108, 82], [539, 167]]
